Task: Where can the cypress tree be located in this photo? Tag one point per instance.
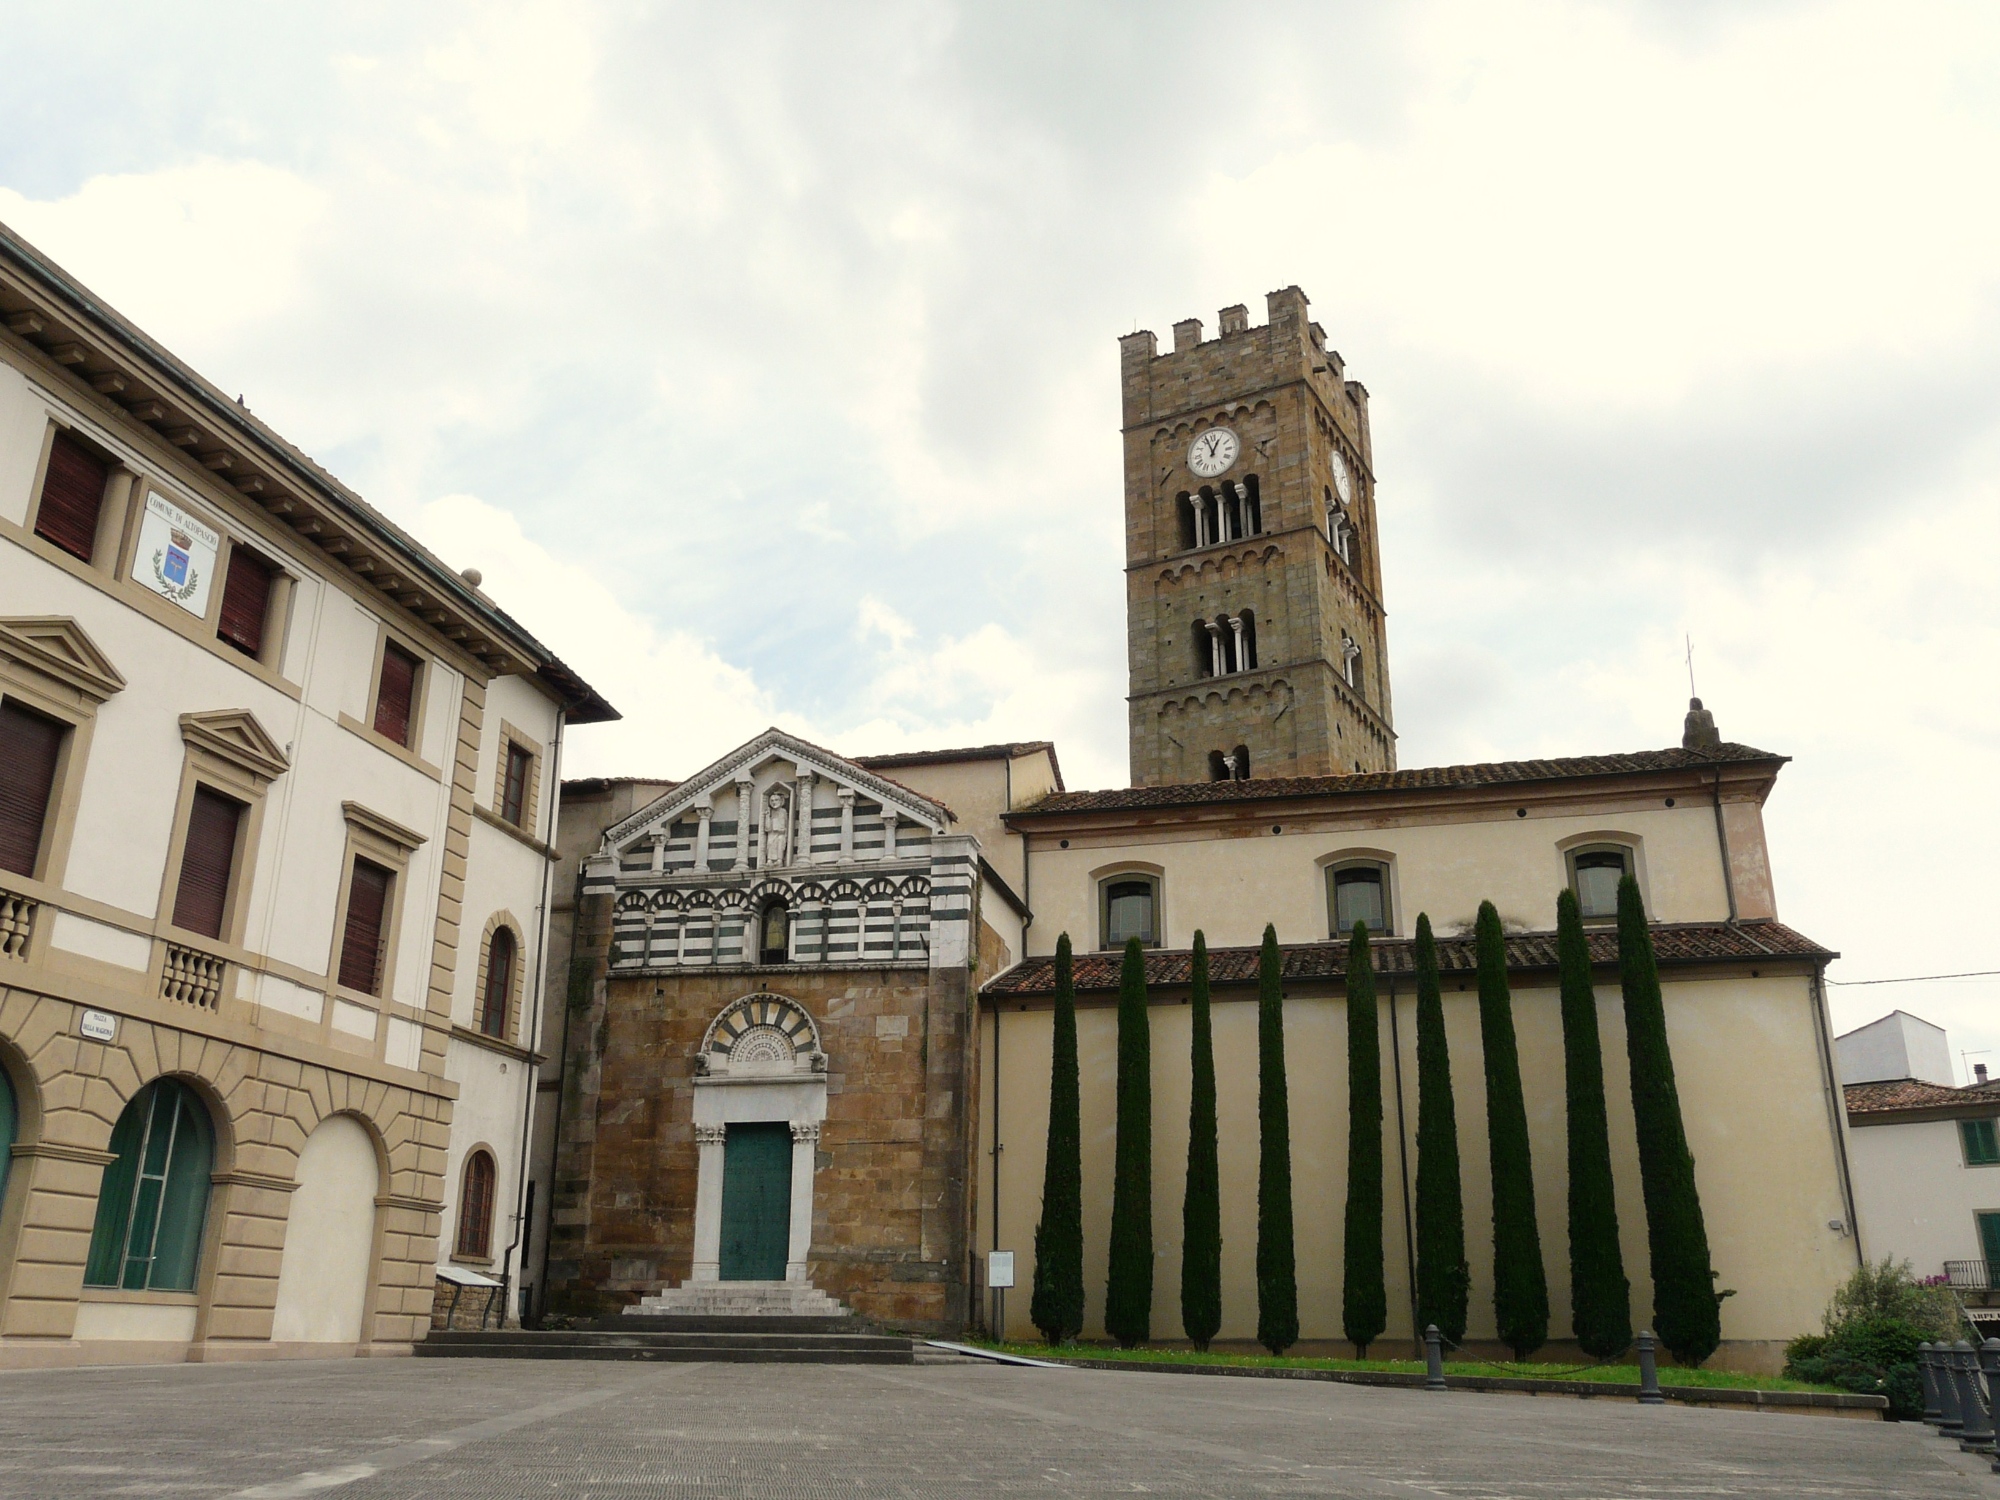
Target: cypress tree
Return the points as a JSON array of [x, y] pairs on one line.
[[1443, 1277], [1686, 1311], [1600, 1297], [1201, 1209], [1057, 1308], [1277, 1267], [1364, 1300], [1520, 1286], [1128, 1293]]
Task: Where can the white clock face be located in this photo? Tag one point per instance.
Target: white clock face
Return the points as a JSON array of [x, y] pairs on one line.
[[1343, 486], [1213, 452]]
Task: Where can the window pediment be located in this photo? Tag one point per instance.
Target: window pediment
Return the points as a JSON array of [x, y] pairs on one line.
[[55, 646], [234, 735]]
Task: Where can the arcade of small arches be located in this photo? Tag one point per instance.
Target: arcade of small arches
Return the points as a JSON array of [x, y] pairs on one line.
[[886, 919], [1216, 513]]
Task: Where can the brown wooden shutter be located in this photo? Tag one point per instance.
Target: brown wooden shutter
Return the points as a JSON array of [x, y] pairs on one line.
[[246, 600], [499, 983], [72, 495], [475, 1208], [207, 859], [514, 799], [396, 693], [361, 943], [29, 748]]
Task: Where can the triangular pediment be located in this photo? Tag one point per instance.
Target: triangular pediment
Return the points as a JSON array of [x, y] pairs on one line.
[[56, 646], [773, 756], [235, 735]]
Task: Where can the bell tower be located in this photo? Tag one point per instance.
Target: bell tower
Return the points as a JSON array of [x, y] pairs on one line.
[[1253, 581]]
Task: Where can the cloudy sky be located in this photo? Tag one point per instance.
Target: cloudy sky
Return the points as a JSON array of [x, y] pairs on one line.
[[764, 357]]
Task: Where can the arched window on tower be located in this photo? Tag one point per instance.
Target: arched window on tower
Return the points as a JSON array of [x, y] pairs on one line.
[[1247, 636], [1239, 763], [1189, 523], [1350, 661], [773, 933], [1253, 506], [1219, 768]]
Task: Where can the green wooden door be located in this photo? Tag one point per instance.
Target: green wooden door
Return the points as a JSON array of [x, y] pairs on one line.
[[1989, 1247], [756, 1202]]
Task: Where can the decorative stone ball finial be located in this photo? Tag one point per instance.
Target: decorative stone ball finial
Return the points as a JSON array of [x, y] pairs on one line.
[[1699, 732]]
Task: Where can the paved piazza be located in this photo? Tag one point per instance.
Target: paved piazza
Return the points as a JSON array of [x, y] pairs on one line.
[[439, 1429]]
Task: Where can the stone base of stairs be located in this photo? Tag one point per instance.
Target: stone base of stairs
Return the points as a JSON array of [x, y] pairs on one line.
[[740, 1299], [728, 1322]]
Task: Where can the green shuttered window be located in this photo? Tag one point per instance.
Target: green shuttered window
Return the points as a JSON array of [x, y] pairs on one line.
[[154, 1199], [1982, 1142]]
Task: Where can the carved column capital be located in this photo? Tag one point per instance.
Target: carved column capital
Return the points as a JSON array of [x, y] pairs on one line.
[[805, 1133], [710, 1135]]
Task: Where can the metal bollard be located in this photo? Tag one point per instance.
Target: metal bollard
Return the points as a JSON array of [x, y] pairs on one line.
[[1949, 1419], [1989, 1368], [1927, 1372], [1975, 1432], [1434, 1359], [1649, 1373]]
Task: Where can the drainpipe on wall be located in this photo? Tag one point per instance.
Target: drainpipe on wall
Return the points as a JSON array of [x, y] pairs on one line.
[[533, 1069], [1722, 843], [1835, 1103]]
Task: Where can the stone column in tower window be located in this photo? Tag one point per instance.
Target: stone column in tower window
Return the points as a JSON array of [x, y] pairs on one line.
[[703, 815], [659, 842], [888, 834], [1214, 648], [847, 822], [1236, 627]]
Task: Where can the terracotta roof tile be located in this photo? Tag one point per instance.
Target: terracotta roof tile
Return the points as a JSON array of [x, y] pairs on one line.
[[1489, 773], [1907, 1095], [1673, 943]]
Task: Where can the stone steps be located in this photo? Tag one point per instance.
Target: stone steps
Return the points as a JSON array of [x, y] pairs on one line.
[[746, 1346], [740, 1299]]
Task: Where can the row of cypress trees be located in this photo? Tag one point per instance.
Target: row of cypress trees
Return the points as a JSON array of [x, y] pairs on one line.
[[1685, 1303]]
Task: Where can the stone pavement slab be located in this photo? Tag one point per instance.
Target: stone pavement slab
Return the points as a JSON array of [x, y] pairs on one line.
[[439, 1430]]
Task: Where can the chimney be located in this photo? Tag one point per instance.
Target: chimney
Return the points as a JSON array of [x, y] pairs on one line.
[[1979, 1075], [1234, 319], [1187, 334], [1699, 732]]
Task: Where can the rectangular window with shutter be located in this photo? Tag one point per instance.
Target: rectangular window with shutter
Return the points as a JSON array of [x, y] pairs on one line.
[[208, 860], [396, 693], [246, 601], [30, 746], [367, 928], [514, 796], [72, 496]]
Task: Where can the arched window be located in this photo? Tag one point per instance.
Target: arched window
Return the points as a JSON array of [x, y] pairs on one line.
[[1239, 763], [1130, 910], [1357, 891], [10, 1125], [1594, 873], [1190, 525], [499, 996], [1253, 506], [154, 1197], [475, 1208], [1218, 766], [1247, 638], [773, 934]]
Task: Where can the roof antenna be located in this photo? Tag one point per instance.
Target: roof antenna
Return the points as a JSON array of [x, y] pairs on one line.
[[1698, 732]]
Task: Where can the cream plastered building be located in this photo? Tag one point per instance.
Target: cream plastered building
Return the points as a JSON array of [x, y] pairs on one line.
[[1926, 1158], [277, 799], [1744, 996]]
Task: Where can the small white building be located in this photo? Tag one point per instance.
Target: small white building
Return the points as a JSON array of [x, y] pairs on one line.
[[277, 801], [1925, 1156]]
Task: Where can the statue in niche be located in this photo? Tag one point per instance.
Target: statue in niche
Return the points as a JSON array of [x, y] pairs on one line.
[[777, 829]]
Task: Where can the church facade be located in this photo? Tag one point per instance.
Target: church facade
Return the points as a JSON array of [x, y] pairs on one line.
[[810, 1024]]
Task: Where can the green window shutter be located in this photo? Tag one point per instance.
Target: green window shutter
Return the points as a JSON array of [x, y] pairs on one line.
[[114, 1195], [8, 1127], [1982, 1143], [154, 1197]]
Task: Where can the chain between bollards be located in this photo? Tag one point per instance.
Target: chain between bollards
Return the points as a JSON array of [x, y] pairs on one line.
[[1433, 1359], [1650, 1393], [1950, 1419]]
